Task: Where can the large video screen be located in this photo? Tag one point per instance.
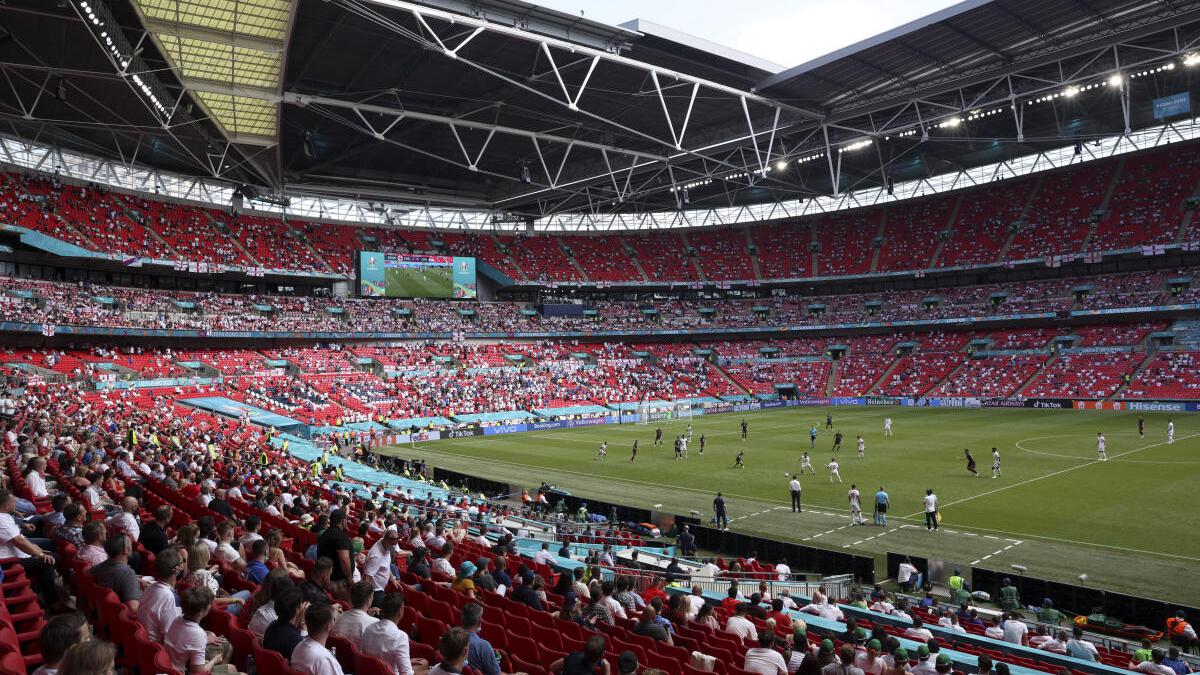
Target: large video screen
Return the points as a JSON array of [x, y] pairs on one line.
[[402, 275]]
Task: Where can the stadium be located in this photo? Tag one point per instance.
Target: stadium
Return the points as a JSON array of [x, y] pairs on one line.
[[435, 336]]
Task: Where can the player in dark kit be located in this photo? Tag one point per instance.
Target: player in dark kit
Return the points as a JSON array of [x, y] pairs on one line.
[[828, 420], [701, 444], [1141, 428], [837, 441], [739, 462], [678, 447], [745, 430], [635, 449], [970, 462], [658, 436]]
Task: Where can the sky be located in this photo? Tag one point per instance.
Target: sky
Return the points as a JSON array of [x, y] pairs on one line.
[[786, 32]]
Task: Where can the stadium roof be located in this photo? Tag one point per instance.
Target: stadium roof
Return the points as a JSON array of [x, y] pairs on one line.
[[507, 106]]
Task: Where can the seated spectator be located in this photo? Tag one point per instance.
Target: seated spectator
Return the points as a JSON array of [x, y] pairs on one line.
[[38, 564], [1080, 648], [590, 660], [385, 639], [284, 633], [191, 649], [527, 592], [59, 633], [154, 533], [844, 665], [256, 567], [453, 647], [1154, 665], [315, 587], [311, 656], [1015, 630], [869, 660], [157, 609], [228, 552], [1175, 663], [90, 656], [351, 624], [115, 572], [739, 626], [463, 581], [650, 627], [264, 601], [200, 574], [917, 631], [763, 658]]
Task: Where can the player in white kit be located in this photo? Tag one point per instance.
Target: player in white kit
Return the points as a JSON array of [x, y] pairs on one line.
[[683, 443], [995, 463], [833, 470], [887, 426], [806, 463], [856, 517], [1170, 431], [689, 433], [862, 447], [603, 454], [1101, 447]]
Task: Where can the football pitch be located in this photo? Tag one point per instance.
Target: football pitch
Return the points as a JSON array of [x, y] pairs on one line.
[[425, 282], [1128, 523]]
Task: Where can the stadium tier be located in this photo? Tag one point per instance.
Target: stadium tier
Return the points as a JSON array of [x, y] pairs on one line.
[[1110, 205]]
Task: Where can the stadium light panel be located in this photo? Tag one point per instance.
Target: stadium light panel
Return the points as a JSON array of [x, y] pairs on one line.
[[1115, 80], [1191, 59], [781, 165]]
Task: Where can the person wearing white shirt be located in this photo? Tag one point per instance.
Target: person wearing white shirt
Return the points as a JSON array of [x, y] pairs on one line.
[[869, 660], [707, 571], [1154, 665], [1080, 648], [544, 556], [1015, 630], [157, 610], [610, 602], [782, 571], [917, 631], [740, 626], [378, 566], [37, 483], [1056, 643], [694, 602], [311, 656], [931, 511], [126, 522], [351, 625], [764, 659], [186, 642], [384, 637], [906, 574]]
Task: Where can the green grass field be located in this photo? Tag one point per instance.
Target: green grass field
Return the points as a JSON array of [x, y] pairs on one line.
[[430, 282], [1128, 523]]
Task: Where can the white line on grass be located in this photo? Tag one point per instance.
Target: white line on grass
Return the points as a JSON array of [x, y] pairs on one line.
[[1025, 535], [1049, 475]]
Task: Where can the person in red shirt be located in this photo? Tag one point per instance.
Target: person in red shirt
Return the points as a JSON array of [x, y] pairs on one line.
[[654, 590], [782, 620], [731, 601]]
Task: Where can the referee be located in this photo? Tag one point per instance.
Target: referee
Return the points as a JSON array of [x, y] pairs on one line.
[[794, 486]]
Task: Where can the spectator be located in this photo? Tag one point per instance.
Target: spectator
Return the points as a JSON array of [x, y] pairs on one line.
[[763, 658], [227, 552], [650, 627], [463, 581], [38, 564], [1015, 630], [285, 633], [154, 533], [125, 521], [1154, 665], [264, 601], [984, 665], [844, 665], [739, 626], [311, 656], [527, 592], [59, 633], [1009, 600], [1173, 662], [917, 631], [378, 566], [925, 665], [587, 662], [453, 647], [115, 572], [335, 544], [191, 649], [351, 624], [256, 568], [157, 609], [88, 658], [869, 660], [385, 639]]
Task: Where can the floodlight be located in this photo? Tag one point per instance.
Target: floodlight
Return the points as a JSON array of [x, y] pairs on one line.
[[1191, 59], [781, 165], [1116, 80]]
